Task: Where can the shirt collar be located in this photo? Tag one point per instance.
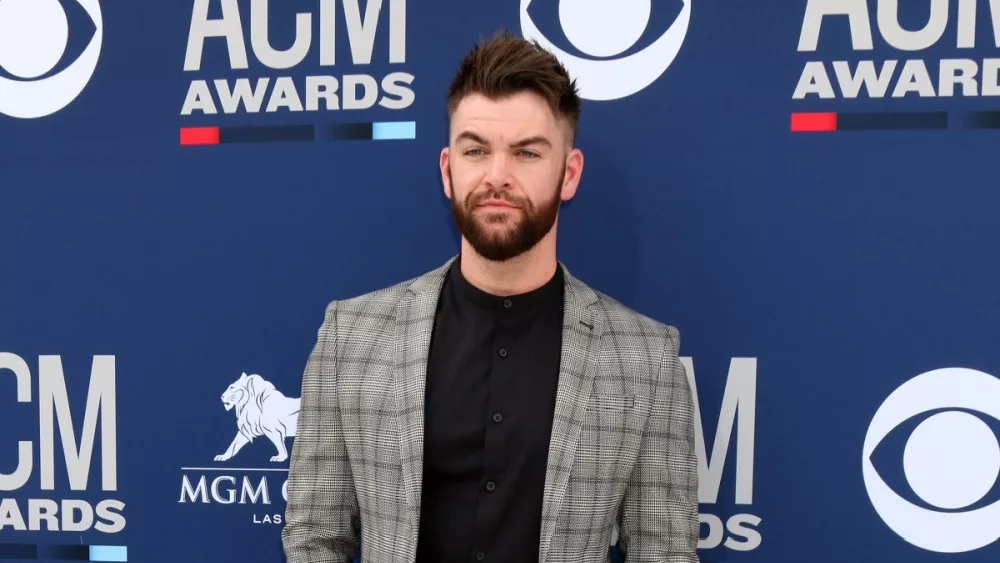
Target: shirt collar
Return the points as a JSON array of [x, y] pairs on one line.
[[550, 291]]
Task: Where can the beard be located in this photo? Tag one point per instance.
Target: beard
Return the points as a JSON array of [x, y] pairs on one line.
[[520, 233]]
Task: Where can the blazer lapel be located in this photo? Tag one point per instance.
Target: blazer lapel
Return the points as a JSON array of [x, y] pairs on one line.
[[582, 330], [414, 326]]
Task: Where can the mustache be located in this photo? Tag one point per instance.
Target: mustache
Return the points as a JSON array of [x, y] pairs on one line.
[[477, 198]]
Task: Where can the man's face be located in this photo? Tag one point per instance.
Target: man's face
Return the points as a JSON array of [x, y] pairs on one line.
[[506, 170]]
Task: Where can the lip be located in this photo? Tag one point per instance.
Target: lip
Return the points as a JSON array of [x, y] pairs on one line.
[[494, 204]]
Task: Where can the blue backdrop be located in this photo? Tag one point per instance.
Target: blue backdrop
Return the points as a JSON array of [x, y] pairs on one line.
[[807, 190]]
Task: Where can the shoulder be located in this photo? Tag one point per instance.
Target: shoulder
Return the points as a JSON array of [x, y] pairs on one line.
[[634, 339], [638, 351], [656, 342], [624, 325], [379, 307], [381, 301], [622, 320], [645, 350]]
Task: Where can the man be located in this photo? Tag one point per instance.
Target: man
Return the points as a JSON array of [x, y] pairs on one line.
[[496, 409]]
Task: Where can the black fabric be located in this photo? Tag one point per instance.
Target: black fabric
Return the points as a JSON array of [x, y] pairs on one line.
[[491, 390]]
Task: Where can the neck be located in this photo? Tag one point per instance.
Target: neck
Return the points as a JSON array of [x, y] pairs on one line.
[[521, 274]]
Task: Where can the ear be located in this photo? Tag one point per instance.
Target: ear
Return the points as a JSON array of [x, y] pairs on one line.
[[574, 169], [244, 376], [444, 163]]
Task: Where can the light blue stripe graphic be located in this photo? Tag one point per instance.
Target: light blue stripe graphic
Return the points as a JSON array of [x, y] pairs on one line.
[[388, 130], [108, 553]]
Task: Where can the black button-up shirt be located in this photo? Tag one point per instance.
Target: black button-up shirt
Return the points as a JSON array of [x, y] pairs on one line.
[[491, 390]]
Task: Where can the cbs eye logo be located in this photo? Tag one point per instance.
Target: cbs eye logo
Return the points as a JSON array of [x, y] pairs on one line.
[[604, 40], [35, 80], [951, 460]]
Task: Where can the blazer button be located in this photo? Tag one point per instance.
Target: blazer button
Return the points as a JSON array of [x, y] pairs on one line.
[[502, 352], [480, 556], [491, 486]]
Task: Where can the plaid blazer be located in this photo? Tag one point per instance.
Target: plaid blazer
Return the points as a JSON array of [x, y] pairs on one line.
[[622, 452]]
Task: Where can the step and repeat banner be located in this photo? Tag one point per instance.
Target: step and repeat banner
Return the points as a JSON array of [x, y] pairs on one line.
[[807, 189]]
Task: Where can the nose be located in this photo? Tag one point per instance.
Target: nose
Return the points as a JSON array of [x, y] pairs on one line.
[[498, 173]]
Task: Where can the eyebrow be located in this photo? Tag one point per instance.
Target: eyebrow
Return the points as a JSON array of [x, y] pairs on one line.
[[535, 140]]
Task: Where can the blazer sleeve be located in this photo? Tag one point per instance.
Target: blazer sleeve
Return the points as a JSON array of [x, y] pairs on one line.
[[658, 518], [321, 515]]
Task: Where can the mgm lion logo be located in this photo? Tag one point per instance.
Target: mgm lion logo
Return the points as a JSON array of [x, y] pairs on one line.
[[261, 410]]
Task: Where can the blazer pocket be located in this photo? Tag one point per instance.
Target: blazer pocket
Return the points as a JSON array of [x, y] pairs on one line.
[[611, 402]]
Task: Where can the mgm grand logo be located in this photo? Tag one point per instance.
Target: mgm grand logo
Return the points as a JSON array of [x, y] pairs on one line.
[[260, 410]]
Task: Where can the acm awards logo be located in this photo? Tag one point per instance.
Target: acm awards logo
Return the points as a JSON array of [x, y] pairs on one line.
[[236, 68], [49, 495], [891, 51], [732, 525], [612, 49], [34, 35], [262, 415], [962, 24]]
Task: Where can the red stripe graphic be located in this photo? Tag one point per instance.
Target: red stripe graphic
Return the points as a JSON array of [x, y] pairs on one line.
[[813, 122], [199, 135]]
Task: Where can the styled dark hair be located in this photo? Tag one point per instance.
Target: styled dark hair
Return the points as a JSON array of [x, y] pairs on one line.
[[505, 65]]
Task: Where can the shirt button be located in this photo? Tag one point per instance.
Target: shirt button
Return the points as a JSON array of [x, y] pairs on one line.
[[502, 352], [491, 486], [507, 303], [497, 417]]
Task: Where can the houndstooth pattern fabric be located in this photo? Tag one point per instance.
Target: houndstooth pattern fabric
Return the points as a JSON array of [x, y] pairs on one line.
[[622, 452]]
